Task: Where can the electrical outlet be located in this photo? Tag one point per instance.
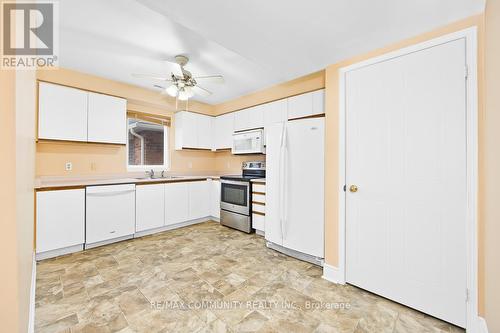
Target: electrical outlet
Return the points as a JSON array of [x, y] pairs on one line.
[[69, 166]]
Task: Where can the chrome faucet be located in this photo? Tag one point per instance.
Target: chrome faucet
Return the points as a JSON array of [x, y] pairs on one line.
[[150, 173]]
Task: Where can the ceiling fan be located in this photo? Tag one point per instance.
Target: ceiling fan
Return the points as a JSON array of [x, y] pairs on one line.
[[183, 85]]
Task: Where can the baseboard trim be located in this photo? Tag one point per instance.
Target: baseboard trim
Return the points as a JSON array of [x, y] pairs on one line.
[[108, 241], [173, 226], [481, 325], [332, 274], [296, 254], [59, 252], [31, 323]]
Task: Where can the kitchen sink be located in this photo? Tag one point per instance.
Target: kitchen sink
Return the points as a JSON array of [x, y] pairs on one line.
[[158, 177]]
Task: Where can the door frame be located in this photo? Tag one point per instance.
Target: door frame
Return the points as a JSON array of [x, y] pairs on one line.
[[470, 36]]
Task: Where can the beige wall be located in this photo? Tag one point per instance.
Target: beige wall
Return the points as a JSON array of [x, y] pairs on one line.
[[332, 111], [17, 134], [227, 163], [25, 182], [133, 94], [490, 170], [486, 147], [99, 159], [297, 86], [9, 279], [87, 159], [102, 159], [489, 159], [51, 157]]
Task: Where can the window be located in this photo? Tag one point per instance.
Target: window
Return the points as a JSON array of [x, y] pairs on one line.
[[147, 144]]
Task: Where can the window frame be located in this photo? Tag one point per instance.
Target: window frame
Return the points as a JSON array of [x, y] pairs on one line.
[[166, 151]]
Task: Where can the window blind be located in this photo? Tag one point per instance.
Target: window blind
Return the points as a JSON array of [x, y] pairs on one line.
[[152, 118]]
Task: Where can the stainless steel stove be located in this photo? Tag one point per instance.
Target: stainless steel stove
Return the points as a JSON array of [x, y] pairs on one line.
[[236, 196]]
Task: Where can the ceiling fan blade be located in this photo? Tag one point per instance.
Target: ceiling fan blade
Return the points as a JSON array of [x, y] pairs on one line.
[[212, 78], [201, 91], [163, 89], [153, 77], [175, 68]]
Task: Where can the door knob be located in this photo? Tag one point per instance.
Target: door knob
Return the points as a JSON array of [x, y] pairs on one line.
[[353, 188]]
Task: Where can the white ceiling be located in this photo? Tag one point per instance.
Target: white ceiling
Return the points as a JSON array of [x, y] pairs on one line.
[[254, 44]]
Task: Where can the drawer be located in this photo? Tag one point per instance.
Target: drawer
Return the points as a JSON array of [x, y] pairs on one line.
[[258, 208], [259, 188], [258, 222], [258, 198]]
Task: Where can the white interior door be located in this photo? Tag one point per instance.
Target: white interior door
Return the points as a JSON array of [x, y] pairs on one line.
[[406, 152]]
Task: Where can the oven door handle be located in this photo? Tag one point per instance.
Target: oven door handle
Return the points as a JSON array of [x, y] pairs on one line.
[[234, 182]]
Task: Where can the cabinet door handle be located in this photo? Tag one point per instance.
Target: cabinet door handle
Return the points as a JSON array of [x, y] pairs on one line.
[[112, 232]]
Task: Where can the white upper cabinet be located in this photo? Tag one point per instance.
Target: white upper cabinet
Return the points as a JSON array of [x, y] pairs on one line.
[[185, 130], [249, 118], [307, 104], [223, 131], [149, 206], [77, 115], [107, 119], [275, 112], [199, 199], [204, 131], [62, 113], [176, 203], [193, 130], [318, 101]]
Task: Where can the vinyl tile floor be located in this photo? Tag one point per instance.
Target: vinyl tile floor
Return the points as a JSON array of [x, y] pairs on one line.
[[206, 278]]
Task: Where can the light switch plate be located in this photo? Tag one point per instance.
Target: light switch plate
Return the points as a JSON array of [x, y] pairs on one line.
[[69, 166]]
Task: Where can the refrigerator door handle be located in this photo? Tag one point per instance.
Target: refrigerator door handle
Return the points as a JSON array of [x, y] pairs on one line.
[[281, 181], [284, 184]]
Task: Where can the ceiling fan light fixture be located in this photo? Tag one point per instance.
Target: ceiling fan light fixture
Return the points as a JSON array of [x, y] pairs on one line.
[[173, 90], [189, 91], [183, 94]]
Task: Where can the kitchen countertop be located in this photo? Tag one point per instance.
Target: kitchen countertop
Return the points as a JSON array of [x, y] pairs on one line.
[[47, 183], [258, 180]]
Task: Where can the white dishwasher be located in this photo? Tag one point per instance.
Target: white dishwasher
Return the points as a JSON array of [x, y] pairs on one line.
[[110, 213]]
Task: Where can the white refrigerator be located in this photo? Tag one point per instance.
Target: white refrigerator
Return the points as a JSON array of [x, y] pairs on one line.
[[295, 188]]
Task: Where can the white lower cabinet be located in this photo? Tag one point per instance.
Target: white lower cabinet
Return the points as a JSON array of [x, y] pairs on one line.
[[149, 206], [110, 212], [176, 203], [215, 198], [199, 200], [60, 219], [259, 206], [259, 222], [100, 214]]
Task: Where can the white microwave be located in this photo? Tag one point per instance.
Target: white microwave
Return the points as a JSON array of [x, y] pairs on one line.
[[249, 142]]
